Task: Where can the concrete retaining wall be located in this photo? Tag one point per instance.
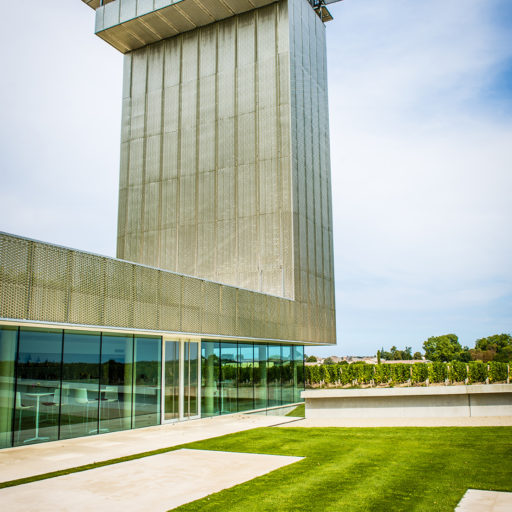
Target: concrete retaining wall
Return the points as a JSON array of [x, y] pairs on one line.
[[418, 402]]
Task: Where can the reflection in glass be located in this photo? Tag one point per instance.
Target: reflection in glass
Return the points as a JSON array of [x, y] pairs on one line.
[[116, 382], [245, 377], [260, 376], [37, 386], [190, 378], [228, 371], [171, 380], [274, 375], [80, 384], [147, 376], [287, 375], [8, 341], [210, 369], [298, 358]]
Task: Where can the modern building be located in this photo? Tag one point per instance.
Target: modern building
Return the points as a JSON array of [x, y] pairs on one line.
[[224, 266]]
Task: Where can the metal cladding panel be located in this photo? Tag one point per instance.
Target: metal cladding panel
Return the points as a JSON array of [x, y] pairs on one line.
[[132, 24], [225, 107], [88, 290]]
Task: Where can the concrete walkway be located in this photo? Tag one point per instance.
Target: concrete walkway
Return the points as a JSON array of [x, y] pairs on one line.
[[156, 483], [26, 461], [485, 501], [479, 421]]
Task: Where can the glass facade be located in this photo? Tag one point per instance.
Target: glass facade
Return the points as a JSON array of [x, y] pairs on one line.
[[237, 377], [60, 383]]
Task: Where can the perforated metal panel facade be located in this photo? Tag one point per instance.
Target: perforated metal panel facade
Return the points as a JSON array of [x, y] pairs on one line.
[[205, 183], [54, 285]]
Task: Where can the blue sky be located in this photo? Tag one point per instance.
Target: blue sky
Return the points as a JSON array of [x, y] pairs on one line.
[[421, 144]]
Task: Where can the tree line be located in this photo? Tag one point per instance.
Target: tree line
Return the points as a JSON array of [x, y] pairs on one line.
[[447, 347]]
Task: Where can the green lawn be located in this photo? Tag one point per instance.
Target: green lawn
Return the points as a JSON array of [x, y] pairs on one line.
[[370, 469], [299, 411]]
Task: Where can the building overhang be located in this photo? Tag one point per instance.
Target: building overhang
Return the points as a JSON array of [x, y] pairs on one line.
[[130, 24]]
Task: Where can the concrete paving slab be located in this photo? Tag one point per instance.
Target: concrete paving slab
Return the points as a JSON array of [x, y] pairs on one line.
[[25, 461], [156, 483], [485, 501], [479, 421]]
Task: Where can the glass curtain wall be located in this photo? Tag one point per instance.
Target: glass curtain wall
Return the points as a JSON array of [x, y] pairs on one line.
[[260, 376], [8, 344], [245, 380], [172, 380], [210, 378], [57, 384], [80, 402], [190, 374], [228, 374], [38, 385], [287, 395], [244, 376], [147, 376], [116, 383], [274, 375], [299, 383]]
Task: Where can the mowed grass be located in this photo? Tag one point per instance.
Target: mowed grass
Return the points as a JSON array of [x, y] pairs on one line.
[[366, 469], [298, 412]]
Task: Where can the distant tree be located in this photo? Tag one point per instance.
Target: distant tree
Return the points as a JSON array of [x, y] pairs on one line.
[[497, 347], [329, 361], [417, 355], [406, 354], [378, 356], [442, 348], [311, 359]]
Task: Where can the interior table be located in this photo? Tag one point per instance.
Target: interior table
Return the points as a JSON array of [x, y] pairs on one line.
[[37, 437]]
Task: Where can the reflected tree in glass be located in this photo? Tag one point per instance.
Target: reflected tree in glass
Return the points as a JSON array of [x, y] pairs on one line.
[[37, 396], [228, 372], [260, 376], [80, 384], [147, 377], [274, 375], [245, 377], [116, 382], [210, 371]]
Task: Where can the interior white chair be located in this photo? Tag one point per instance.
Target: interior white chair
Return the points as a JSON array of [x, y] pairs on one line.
[[20, 408], [78, 396], [111, 396]]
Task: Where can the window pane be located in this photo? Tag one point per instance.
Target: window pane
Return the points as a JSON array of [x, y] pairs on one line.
[[38, 386], [172, 380], [80, 384], [190, 378], [274, 375], [260, 376], [116, 382], [287, 374], [298, 357], [228, 375], [245, 377], [147, 377], [210, 368], [8, 341]]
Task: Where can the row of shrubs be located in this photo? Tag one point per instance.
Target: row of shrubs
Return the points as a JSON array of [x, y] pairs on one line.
[[402, 373]]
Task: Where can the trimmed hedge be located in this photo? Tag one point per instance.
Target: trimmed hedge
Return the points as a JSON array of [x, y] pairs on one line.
[[356, 374]]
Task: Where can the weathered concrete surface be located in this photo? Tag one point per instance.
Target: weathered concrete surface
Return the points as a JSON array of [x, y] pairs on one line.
[[411, 402], [485, 501], [157, 483], [25, 461]]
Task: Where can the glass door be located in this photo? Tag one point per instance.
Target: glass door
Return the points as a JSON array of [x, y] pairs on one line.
[[171, 381], [180, 380]]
